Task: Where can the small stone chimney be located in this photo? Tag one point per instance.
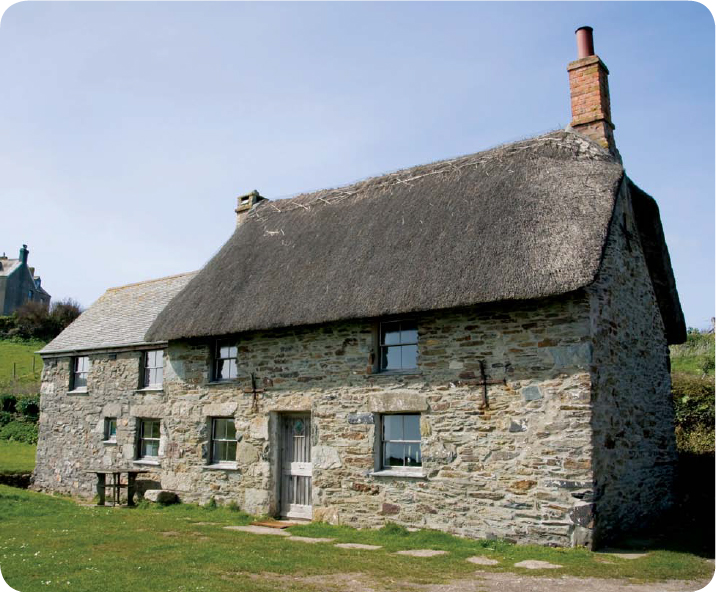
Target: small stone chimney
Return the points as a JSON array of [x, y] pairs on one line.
[[245, 204], [23, 254], [589, 90]]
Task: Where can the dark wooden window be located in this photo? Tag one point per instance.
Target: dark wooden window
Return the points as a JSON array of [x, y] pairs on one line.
[[149, 434], [400, 441], [223, 441], [80, 369], [398, 346], [110, 429], [225, 366], [153, 368]]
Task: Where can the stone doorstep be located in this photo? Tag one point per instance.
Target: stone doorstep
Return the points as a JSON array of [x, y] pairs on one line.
[[301, 539], [358, 546], [421, 552], [622, 554], [259, 530], [535, 564], [478, 560]]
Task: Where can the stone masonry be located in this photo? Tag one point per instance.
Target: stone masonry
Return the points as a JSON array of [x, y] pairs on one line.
[[568, 439]]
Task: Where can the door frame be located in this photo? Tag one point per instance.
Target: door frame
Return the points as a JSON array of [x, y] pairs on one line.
[[281, 416]]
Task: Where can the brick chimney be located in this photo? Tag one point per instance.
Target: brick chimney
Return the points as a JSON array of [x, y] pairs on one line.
[[245, 205], [589, 91]]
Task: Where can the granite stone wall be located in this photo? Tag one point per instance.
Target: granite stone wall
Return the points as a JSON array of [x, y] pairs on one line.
[[510, 459], [633, 416]]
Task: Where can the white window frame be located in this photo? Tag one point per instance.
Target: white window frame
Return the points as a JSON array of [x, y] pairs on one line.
[[80, 367], [218, 359], [213, 440], [108, 435], [383, 346], [381, 465], [150, 366], [142, 438]]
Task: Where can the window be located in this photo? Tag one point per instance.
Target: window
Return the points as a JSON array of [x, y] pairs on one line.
[[400, 442], [398, 346], [225, 367], [110, 429], [149, 438], [30, 294], [153, 368], [80, 369], [223, 441]]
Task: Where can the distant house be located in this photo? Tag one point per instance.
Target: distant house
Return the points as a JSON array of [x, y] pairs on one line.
[[478, 345], [19, 284]]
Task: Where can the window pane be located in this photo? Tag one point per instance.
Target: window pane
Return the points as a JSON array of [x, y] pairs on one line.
[[159, 358], [80, 381], [393, 455], [412, 455], [230, 451], [411, 427], [391, 358], [220, 372], [216, 452], [232, 370], [230, 430], [155, 429], [392, 427], [391, 333], [159, 379], [219, 429], [408, 332], [409, 356]]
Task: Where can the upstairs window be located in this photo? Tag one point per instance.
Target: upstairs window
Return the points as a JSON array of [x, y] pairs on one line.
[[80, 369], [223, 441], [149, 430], [398, 346], [400, 443], [153, 369], [225, 366]]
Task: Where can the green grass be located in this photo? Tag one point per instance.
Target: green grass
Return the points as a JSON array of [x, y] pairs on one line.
[[51, 539], [22, 354], [696, 356], [16, 457]]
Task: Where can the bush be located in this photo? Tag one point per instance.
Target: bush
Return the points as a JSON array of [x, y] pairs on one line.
[[5, 418], [8, 403], [19, 431], [35, 320], [694, 412], [29, 407], [393, 529]]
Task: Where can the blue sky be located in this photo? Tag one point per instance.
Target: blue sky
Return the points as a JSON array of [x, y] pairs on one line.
[[128, 129]]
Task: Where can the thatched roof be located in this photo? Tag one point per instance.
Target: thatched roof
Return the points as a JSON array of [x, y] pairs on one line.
[[119, 318], [521, 221]]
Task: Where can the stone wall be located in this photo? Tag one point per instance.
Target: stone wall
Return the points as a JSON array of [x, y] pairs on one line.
[[510, 461], [633, 415]]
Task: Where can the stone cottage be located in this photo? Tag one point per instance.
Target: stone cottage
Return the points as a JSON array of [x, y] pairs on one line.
[[478, 345], [19, 284]]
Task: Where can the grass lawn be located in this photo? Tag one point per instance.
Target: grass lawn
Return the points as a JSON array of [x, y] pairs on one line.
[[22, 354], [53, 543], [16, 457]]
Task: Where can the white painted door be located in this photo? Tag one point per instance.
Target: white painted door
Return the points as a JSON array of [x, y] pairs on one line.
[[296, 466]]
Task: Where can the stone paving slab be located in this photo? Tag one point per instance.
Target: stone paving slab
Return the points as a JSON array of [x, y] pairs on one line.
[[259, 530], [302, 539], [535, 564], [478, 560], [421, 552], [358, 546], [623, 554]]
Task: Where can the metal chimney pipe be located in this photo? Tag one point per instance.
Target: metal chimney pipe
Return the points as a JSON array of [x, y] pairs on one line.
[[585, 42]]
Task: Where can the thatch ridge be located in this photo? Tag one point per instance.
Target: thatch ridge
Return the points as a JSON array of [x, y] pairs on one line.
[[520, 221]]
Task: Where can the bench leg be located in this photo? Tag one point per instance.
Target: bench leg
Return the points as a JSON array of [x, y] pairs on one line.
[[131, 488], [101, 482]]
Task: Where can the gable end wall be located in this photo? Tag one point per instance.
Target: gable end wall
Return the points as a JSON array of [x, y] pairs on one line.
[[633, 417]]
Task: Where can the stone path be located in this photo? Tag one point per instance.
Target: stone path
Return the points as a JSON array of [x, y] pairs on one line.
[[358, 546], [535, 564], [482, 560], [259, 530], [421, 552], [301, 539]]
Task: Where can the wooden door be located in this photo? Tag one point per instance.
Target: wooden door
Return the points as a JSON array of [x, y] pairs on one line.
[[296, 467]]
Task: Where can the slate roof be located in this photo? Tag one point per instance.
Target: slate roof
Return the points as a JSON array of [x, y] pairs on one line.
[[520, 221], [7, 266], [120, 317]]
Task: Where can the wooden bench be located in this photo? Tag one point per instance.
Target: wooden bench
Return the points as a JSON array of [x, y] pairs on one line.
[[116, 484]]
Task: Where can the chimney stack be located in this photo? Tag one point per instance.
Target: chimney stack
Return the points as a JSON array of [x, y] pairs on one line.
[[245, 204], [589, 91], [23, 254]]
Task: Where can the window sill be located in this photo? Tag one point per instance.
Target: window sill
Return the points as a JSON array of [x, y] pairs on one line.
[[78, 392], [109, 442], [150, 389], [395, 373], [231, 382], [222, 467], [150, 463], [394, 473]]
